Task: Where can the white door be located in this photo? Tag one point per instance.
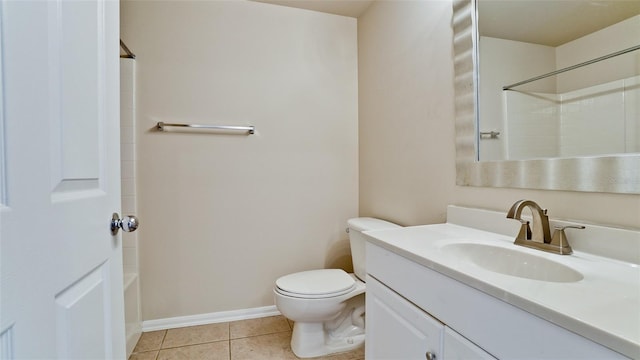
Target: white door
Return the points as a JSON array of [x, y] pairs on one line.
[[61, 269]]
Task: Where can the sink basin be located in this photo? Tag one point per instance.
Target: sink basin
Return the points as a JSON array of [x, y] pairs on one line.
[[513, 262]]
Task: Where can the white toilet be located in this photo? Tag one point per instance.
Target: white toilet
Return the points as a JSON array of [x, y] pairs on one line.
[[327, 306]]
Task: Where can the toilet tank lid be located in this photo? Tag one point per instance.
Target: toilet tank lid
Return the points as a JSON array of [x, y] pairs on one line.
[[369, 223]]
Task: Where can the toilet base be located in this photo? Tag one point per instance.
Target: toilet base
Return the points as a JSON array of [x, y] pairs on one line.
[[310, 339], [343, 333]]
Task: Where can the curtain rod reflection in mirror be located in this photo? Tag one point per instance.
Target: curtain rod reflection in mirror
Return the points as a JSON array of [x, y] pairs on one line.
[[573, 67]]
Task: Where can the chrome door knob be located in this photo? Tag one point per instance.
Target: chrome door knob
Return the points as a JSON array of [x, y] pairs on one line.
[[128, 223]]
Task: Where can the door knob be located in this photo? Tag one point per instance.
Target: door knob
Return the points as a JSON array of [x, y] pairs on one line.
[[128, 223]]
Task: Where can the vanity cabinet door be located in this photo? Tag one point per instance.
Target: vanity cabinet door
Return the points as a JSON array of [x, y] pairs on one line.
[[457, 347], [397, 329]]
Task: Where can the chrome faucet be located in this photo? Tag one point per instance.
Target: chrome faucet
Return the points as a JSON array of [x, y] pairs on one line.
[[538, 236]]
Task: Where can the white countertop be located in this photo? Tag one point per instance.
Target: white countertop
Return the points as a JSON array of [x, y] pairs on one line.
[[604, 306]]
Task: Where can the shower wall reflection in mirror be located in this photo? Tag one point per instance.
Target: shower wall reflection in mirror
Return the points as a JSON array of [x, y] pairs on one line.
[[589, 110]]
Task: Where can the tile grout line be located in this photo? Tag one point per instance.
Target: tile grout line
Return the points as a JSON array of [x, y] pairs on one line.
[[186, 345], [162, 343], [262, 334]]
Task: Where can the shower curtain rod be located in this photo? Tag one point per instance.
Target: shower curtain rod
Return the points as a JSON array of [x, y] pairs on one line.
[[605, 57], [124, 47]]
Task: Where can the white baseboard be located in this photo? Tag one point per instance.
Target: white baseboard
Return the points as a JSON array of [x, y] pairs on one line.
[[210, 318]]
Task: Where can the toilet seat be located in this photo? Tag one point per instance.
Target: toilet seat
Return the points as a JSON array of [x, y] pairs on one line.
[[316, 284]]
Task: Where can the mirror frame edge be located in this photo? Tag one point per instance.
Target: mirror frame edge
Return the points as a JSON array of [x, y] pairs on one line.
[[609, 174]]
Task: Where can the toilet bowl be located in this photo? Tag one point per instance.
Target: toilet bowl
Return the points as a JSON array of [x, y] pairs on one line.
[[327, 305]]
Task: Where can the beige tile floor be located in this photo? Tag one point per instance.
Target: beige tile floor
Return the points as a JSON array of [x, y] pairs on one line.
[[256, 339]]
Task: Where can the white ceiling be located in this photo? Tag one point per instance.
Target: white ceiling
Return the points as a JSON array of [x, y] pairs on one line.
[[545, 22], [551, 23], [351, 8]]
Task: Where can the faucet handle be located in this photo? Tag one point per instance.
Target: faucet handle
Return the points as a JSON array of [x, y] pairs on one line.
[[559, 238]]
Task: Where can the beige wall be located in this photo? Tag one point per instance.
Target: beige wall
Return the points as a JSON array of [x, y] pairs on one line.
[[614, 38], [405, 78], [406, 125], [222, 216]]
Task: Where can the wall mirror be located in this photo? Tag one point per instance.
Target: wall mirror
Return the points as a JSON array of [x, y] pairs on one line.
[[559, 132]]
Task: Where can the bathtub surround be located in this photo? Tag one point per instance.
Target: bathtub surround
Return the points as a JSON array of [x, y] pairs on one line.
[[600, 119], [229, 214], [606, 120]]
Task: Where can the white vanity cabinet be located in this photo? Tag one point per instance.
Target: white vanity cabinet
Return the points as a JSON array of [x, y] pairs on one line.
[[457, 347], [397, 329], [412, 310]]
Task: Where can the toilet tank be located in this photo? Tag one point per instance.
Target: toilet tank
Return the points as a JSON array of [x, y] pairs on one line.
[[357, 240]]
